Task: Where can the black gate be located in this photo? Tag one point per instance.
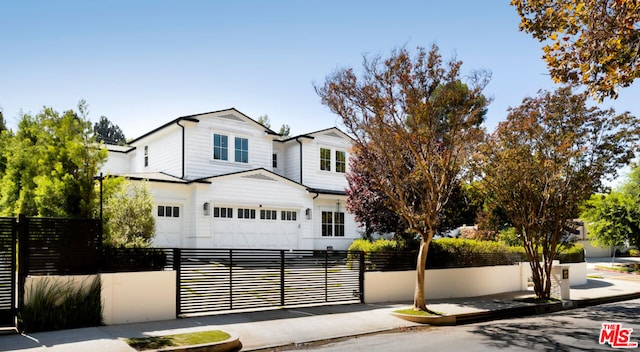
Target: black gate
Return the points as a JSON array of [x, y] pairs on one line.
[[225, 279], [8, 273]]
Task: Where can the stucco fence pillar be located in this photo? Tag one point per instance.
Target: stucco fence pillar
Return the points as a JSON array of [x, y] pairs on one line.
[[126, 297]]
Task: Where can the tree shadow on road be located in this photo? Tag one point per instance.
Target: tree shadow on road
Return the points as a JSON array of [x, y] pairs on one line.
[[573, 330]]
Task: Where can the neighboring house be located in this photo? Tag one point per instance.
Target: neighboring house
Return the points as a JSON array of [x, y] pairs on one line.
[[222, 180]]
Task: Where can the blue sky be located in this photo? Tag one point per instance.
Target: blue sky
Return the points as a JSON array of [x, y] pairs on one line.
[[143, 63]]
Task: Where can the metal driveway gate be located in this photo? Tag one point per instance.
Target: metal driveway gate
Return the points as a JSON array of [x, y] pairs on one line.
[[8, 308], [224, 279]]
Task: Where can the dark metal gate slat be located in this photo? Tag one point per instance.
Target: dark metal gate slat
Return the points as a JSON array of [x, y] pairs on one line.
[[212, 280]]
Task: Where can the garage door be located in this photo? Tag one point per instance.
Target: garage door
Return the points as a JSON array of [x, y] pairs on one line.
[[255, 228], [168, 225]]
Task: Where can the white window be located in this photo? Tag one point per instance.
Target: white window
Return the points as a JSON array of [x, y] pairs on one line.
[[332, 224], [274, 162], [325, 159], [146, 155], [219, 212], [241, 150], [220, 147], [268, 214], [168, 211], [341, 161]]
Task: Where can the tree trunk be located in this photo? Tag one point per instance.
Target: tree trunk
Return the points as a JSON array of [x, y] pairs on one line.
[[418, 296]]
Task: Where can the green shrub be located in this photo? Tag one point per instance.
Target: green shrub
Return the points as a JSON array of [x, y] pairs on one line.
[[57, 305], [510, 237]]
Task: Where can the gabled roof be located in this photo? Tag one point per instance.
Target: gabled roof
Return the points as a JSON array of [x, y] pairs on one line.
[[194, 118], [310, 135], [158, 177], [270, 176]]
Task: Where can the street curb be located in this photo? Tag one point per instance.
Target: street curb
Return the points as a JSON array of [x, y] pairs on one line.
[[231, 344], [478, 317]]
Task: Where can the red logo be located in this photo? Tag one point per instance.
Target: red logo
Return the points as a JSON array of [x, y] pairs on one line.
[[616, 336]]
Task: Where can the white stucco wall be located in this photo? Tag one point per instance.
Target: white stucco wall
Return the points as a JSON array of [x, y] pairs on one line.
[[138, 297], [398, 286]]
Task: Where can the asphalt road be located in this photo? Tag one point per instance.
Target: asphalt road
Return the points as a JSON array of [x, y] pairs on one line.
[[572, 330]]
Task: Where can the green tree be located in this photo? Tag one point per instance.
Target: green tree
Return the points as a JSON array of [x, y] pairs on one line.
[[105, 131], [614, 219], [595, 43], [127, 214], [547, 158], [416, 124], [264, 121], [51, 162], [3, 124], [284, 130]]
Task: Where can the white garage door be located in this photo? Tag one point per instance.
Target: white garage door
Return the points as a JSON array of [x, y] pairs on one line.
[[255, 228], [168, 225]]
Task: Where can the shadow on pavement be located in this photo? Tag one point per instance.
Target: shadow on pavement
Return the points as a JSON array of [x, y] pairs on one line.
[[575, 330], [592, 283]]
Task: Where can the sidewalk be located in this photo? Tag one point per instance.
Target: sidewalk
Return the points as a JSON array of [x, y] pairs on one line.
[[268, 329]]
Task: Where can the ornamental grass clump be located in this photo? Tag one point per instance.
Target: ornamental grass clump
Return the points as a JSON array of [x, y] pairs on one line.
[[56, 305]]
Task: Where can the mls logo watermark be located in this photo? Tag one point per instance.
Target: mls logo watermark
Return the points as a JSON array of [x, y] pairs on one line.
[[616, 336]]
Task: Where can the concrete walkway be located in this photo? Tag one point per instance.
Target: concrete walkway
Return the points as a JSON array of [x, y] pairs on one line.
[[272, 328]]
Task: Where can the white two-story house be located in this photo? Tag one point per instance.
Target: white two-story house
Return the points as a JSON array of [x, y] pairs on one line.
[[222, 180]]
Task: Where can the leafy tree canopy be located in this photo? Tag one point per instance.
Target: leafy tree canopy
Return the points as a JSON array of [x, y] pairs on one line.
[[128, 214], [416, 124], [595, 43], [108, 133], [264, 121], [614, 219], [545, 160], [284, 130], [3, 124], [50, 164]]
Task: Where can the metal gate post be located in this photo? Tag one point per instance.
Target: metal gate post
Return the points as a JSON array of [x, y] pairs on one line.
[[361, 276], [23, 262], [326, 276], [230, 278], [177, 259], [282, 277]]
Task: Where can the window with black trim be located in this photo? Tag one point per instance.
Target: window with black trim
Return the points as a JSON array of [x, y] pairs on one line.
[[268, 214], [274, 162], [287, 215], [332, 224], [168, 211], [246, 213], [219, 212]]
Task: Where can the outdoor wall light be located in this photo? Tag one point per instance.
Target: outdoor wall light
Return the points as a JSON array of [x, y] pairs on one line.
[[206, 208], [308, 213]]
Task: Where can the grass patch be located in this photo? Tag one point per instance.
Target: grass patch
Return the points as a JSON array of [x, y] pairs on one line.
[[418, 313], [622, 269], [177, 340], [595, 277], [537, 300]]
